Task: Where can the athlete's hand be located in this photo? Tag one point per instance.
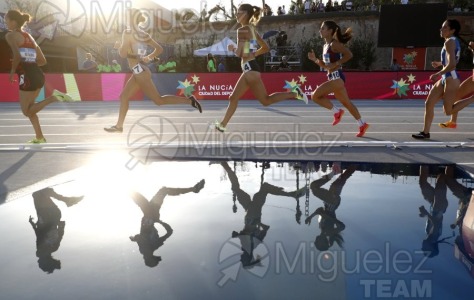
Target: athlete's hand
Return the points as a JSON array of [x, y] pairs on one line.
[[231, 48], [117, 44], [12, 77], [436, 64], [146, 59], [435, 77], [312, 56]]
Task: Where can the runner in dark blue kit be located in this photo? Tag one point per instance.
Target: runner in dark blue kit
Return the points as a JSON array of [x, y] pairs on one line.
[[335, 53], [446, 80], [27, 58]]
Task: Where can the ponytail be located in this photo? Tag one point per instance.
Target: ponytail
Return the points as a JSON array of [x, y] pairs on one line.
[[19, 17], [337, 33], [253, 13], [257, 13]]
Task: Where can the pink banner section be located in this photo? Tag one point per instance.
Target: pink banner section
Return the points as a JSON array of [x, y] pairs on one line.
[[212, 86]]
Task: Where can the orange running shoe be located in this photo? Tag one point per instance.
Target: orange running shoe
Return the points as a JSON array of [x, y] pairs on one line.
[[448, 124], [338, 117], [362, 130]]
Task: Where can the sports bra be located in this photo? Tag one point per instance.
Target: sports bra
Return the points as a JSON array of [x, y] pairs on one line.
[[251, 46], [457, 52], [139, 49], [330, 56]]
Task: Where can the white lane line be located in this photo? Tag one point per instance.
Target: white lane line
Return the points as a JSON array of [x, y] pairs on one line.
[[124, 145]]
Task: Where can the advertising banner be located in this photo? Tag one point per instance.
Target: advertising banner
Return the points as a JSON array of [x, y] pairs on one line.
[[410, 59], [219, 86]]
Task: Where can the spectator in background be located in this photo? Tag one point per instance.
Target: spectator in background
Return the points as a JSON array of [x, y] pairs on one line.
[[116, 67], [273, 54], [267, 11], [395, 66], [102, 67], [329, 6], [283, 10], [307, 7], [211, 63], [280, 11], [89, 65], [321, 6], [284, 65], [170, 66], [221, 66], [336, 5]]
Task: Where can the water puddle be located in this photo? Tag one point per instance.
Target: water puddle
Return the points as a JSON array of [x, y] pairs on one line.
[[266, 230]]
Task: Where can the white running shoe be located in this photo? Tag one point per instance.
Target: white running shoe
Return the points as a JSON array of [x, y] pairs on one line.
[[300, 95], [63, 97], [218, 126]]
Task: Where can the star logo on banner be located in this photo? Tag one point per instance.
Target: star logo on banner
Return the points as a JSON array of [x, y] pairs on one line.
[[400, 87], [186, 87], [195, 79], [302, 78], [411, 78], [290, 84]]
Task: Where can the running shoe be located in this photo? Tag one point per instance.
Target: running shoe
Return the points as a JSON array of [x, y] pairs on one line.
[[300, 95], [113, 129], [37, 141], [448, 124], [338, 117], [421, 135], [219, 126], [195, 103], [362, 130], [62, 97]]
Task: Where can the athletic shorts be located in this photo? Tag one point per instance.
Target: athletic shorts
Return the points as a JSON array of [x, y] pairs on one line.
[[336, 75], [31, 77], [452, 74], [251, 65]]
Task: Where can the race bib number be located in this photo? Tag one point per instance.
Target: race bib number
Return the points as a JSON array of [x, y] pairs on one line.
[[137, 69], [334, 75], [22, 79], [28, 55], [246, 67]]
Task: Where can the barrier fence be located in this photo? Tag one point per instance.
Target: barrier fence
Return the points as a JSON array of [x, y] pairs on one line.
[[218, 86]]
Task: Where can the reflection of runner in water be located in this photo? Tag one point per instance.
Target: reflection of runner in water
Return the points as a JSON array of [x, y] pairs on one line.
[[26, 62], [49, 228], [459, 191], [254, 230], [148, 239], [436, 197], [330, 226], [134, 46]]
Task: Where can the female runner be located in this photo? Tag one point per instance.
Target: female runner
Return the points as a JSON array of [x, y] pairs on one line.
[[249, 46], [446, 80], [26, 62], [133, 47], [465, 89], [335, 53]]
